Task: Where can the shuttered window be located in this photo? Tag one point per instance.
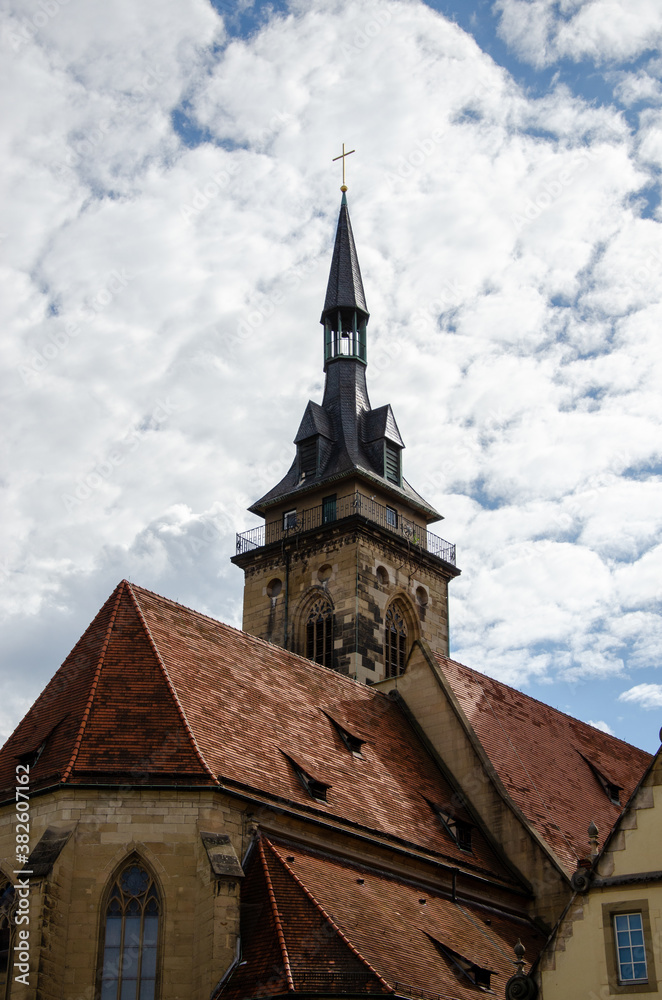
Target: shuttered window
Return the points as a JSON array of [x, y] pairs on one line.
[[308, 457], [392, 463]]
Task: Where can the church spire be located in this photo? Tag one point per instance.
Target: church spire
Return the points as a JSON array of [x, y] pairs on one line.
[[345, 314]]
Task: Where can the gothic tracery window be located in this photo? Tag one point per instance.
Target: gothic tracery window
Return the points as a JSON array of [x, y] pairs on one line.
[[395, 642], [130, 936], [319, 632]]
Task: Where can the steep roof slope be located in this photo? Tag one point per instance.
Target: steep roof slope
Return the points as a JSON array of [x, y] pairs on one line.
[[557, 770], [109, 713], [257, 711], [156, 693], [342, 928]]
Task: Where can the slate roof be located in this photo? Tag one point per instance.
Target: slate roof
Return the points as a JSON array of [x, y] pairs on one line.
[[345, 287], [351, 431], [542, 755], [154, 693], [314, 923]]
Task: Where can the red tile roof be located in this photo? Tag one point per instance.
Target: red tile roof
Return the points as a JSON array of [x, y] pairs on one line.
[[157, 693], [345, 929], [541, 756]]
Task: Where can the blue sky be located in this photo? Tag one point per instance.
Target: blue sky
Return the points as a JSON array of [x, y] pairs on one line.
[[169, 209]]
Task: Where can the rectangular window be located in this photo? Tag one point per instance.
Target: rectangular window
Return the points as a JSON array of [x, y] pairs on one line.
[[329, 512], [630, 949], [392, 463], [289, 520], [391, 517]]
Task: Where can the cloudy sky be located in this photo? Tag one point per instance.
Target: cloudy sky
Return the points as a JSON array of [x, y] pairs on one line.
[[169, 205]]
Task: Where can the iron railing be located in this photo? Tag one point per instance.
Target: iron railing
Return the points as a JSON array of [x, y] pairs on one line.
[[291, 525]]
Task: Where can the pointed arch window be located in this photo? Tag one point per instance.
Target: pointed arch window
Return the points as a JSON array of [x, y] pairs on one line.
[[130, 936], [319, 632], [395, 642]]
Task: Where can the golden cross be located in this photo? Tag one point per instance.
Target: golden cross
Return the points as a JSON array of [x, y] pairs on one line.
[[342, 157]]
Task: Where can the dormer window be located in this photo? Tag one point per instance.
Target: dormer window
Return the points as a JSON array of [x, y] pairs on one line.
[[611, 790], [308, 458], [316, 789], [392, 470], [465, 969], [457, 829], [352, 742]]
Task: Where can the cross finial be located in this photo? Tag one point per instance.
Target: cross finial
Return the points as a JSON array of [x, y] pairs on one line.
[[342, 157]]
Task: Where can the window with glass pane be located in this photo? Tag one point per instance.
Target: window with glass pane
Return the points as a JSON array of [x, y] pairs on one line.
[[130, 941], [630, 948], [395, 643], [319, 633]]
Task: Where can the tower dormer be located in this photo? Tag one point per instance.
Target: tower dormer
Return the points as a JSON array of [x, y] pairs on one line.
[[344, 569]]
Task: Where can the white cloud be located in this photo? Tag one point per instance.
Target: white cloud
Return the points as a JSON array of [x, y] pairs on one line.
[[602, 726], [646, 695], [161, 334], [544, 31]]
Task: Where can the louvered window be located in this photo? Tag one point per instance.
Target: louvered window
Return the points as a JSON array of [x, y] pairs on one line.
[[395, 643], [308, 457], [319, 633], [130, 937], [392, 463]]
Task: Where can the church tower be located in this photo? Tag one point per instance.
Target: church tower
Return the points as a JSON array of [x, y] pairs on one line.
[[344, 570]]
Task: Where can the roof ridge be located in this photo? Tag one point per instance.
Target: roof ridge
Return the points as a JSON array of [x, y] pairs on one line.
[[279, 926], [538, 701], [329, 919], [93, 687], [256, 638], [169, 684]]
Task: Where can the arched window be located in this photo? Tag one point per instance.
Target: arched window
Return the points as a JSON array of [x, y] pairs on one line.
[[319, 632], [395, 641], [7, 899], [130, 936]]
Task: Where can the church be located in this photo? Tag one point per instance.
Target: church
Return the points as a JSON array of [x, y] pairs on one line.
[[323, 803]]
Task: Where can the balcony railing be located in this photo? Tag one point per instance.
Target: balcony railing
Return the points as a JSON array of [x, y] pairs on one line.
[[348, 506]]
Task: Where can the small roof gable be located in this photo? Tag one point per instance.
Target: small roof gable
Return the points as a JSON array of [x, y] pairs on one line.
[[315, 421], [118, 714], [253, 707], [157, 692], [345, 287], [543, 757], [379, 932], [380, 423]]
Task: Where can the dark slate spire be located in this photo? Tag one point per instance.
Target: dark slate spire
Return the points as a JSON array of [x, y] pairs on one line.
[[345, 314], [345, 288]]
